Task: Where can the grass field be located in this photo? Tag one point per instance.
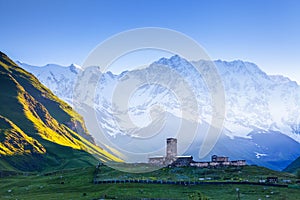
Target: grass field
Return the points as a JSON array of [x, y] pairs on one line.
[[245, 173], [77, 184]]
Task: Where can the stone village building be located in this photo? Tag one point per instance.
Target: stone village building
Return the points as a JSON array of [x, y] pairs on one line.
[[172, 159]]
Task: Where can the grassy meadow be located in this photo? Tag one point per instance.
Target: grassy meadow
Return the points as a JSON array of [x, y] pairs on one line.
[[77, 184]]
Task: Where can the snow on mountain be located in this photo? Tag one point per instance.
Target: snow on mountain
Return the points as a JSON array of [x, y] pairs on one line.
[[257, 105], [59, 79]]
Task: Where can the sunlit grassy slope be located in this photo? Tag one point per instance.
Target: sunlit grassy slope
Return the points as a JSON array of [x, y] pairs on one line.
[[15, 141], [38, 130]]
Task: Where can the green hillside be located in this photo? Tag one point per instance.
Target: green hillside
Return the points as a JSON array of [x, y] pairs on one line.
[[38, 130], [294, 166]]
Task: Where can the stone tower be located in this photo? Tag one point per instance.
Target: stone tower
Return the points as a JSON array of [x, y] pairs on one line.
[[171, 148]]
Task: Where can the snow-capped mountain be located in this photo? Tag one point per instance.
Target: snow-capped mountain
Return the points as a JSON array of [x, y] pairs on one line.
[[257, 106], [59, 79]]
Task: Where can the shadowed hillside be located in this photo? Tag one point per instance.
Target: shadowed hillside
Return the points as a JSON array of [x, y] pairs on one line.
[[294, 166]]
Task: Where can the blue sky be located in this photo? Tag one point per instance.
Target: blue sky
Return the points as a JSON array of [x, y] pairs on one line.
[[265, 32]]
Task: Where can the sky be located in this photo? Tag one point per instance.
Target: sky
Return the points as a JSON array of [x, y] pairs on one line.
[[265, 32]]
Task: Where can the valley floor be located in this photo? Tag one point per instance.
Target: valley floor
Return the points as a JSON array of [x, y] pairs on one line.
[[77, 184]]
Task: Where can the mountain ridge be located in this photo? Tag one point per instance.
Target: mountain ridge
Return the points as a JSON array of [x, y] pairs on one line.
[[255, 102]]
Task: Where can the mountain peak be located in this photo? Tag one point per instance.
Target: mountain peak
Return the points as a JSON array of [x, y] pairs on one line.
[[174, 61], [175, 57], [75, 66]]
